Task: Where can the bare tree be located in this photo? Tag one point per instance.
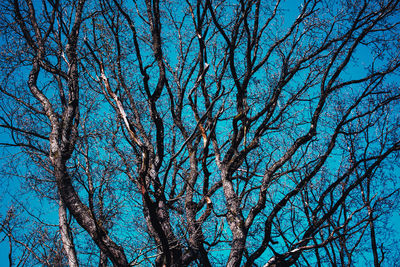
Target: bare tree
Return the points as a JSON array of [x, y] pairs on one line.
[[208, 132]]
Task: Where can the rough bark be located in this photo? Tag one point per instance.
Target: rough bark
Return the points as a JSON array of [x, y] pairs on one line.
[[66, 235]]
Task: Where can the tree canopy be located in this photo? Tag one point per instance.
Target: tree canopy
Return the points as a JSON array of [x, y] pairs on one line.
[[200, 133]]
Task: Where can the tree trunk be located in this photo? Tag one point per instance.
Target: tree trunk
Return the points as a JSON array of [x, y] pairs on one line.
[[66, 236], [83, 216]]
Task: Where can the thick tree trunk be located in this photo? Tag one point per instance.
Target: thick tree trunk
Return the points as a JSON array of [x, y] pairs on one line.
[[103, 259], [235, 220], [196, 237], [158, 223], [66, 236], [83, 216]]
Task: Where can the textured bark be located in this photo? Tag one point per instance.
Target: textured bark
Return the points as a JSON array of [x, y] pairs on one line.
[[235, 220], [196, 237], [66, 236], [157, 219], [83, 216], [103, 260]]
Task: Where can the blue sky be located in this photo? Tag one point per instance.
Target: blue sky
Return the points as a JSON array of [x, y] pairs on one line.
[[11, 186]]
